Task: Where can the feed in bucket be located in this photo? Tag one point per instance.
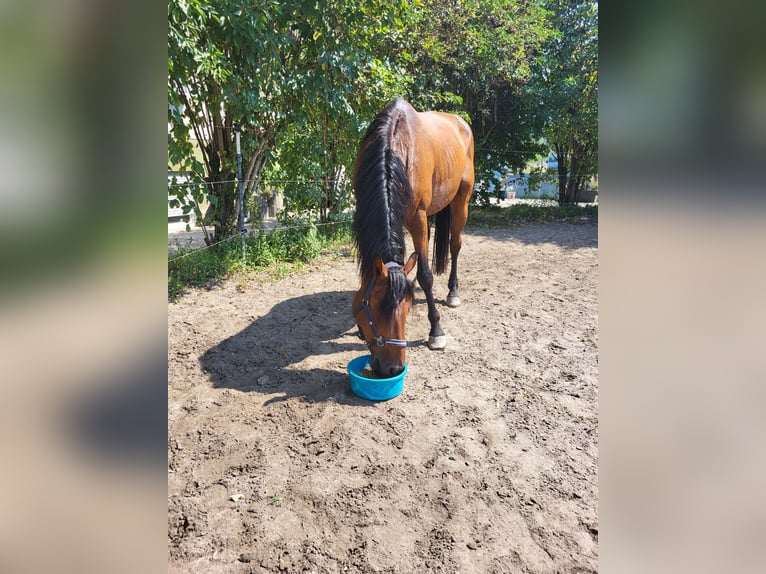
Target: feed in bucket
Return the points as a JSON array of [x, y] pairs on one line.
[[373, 389]]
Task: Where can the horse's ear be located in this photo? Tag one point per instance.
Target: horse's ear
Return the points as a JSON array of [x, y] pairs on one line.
[[410, 265], [379, 267]]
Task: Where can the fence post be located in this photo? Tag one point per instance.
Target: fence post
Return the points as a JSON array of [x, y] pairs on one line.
[[241, 214]]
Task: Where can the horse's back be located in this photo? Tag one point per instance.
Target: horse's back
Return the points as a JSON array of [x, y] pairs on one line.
[[444, 124], [443, 146], [435, 148], [463, 137]]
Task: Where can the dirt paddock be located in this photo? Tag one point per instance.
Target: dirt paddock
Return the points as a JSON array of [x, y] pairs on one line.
[[486, 463]]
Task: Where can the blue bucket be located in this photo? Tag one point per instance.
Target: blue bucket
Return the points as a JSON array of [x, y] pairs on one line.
[[373, 389]]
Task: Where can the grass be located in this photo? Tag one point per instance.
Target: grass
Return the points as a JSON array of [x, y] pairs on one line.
[[496, 216], [280, 253]]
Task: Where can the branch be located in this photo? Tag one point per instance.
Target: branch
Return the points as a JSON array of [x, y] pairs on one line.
[[194, 123], [256, 165]]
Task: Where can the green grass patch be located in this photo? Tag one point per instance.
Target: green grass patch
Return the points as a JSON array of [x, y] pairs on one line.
[[496, 216], [281, 252]]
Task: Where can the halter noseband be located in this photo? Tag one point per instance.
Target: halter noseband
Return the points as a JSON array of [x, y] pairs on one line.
[[378, 339]]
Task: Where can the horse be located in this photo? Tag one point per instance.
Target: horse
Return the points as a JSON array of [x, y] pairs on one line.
[[410, 165]]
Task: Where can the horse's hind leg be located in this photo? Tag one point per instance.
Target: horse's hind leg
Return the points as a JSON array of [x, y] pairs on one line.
[[419, 231], [459, 209]]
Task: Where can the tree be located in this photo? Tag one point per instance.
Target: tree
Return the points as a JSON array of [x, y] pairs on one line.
[[224, 67], [568, 93], [305, 78], [301, 77], [483, 52], [345, 63]]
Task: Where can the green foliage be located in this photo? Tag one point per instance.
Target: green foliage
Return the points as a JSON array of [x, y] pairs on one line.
[[223, 68], [493, 216], [482, 194], [566, 83], [344, 81], [305, 78], [338, 229], [540, 175], [201, 267], [484, 52], [293, 244]]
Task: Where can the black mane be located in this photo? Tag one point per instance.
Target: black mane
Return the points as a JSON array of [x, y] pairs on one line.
[[382, 193]]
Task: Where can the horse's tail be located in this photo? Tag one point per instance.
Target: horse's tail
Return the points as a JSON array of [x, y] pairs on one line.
[[441, 240]]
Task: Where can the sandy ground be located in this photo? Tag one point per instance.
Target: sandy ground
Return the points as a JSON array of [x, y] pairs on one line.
[[486, 463]]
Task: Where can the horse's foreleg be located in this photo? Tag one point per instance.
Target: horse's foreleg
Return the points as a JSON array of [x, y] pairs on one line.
[[436, 337], [459, 209]]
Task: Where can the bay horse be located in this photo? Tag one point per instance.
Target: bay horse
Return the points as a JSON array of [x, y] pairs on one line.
[[410, 165]]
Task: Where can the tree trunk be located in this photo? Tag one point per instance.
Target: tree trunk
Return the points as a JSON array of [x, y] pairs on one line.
[[571, 176], [224, 212], [326, 201], [562, 174], [255, 169], [223, 188]]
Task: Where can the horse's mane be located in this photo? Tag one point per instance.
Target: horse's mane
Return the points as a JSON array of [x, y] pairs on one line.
[[382, 193]]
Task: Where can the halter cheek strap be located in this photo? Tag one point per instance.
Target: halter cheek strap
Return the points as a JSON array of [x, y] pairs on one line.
[[378, 339]]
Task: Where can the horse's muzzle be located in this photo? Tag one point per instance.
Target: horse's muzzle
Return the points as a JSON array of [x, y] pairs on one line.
[[385, 368]]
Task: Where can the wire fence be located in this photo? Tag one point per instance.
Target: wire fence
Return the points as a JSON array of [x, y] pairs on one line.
[[192, 252], [261, 180], [282, 228], [507, 180], [356, 141], [279, 228], [323, 181]]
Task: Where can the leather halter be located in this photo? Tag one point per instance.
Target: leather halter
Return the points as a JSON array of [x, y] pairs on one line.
[[378, 339]]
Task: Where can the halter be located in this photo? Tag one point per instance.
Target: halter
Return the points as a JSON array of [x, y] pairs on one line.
[[378, 339]]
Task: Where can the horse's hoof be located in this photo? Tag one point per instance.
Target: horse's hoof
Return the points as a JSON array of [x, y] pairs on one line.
[[453, 301], [436, 343]]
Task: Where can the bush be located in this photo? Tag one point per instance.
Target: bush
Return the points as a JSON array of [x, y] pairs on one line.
[[297, 241]]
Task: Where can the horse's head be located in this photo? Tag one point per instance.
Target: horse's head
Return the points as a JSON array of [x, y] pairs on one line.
[[380, 309]]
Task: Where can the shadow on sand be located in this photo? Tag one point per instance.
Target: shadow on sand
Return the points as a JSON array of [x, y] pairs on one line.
[[266, 356], [566, 235]]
